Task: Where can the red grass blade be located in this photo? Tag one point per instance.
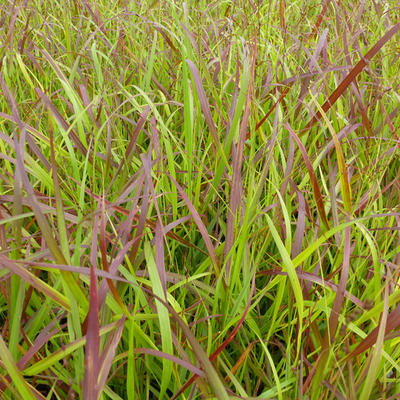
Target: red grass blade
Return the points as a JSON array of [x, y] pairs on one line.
[[393, 321], [314, 181], [356, 70]]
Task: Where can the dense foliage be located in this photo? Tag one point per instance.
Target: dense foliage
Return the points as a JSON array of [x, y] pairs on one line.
[[199, 199]]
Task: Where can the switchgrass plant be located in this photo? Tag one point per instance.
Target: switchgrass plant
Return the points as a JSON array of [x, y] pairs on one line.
[[199, 199]]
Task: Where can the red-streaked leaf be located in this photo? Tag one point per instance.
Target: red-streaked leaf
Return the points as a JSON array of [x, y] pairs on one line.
[[263, 119], [319, 19], [239, 324], [282, 9], [241, 360], [113, 270], [314, 181], [356, 70], [90, 388]]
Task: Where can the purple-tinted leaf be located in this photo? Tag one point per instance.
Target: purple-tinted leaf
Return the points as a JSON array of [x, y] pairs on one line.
[[78, 270], [190, 367], [87, 104], [44, 336], [32, 280], [205, 106]]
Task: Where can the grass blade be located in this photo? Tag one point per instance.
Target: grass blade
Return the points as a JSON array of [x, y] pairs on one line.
[[14, 372]]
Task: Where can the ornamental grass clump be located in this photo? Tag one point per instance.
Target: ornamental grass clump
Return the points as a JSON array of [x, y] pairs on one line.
[[199, 200]]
